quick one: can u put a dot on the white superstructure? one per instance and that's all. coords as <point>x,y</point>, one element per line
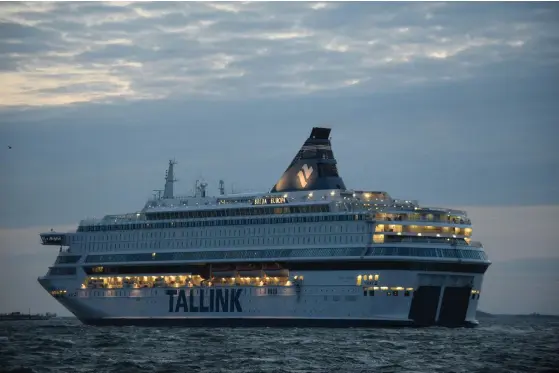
<point>308,253</point>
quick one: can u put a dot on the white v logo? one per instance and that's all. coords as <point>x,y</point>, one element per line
<point>304,175</point>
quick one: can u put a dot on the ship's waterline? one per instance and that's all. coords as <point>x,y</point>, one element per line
<point>308,253</point>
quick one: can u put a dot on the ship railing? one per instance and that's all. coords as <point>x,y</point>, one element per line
<point>422,218</point>
<point>446,210</point>
<point>414,239</point>
<point>405,202</point>
<point>113,219</point>
<point>418,209</point>
<point>476,244</point>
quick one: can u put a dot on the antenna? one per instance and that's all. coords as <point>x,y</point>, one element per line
<point>169,180</point>
<point>221,187</point>
<point>157,193</point>
<point>201,187</point>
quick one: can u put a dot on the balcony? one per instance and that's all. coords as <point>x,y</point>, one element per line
<point>428,230</point>
<point>382,239</point>
<point>435,218</point>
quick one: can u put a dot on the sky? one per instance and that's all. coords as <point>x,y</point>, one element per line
<point>452,104</point>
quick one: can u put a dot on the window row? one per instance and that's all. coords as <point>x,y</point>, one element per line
<point>224,243</point>
<point>224,232</point>
<point>67,259</point>
<point>299,265</point>
<point>221,222</point>
<point>423,229</point>
<point>62,271</point>
<point>428,252</point>
<point>287,253</point>
<point>435,217</point>
<point>216,255</point>
<point>215,213</point>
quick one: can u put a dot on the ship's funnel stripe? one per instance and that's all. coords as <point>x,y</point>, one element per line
<point>316,147</point>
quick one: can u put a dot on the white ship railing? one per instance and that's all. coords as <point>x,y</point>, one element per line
<point>406,202</point>
<point>421,218</point>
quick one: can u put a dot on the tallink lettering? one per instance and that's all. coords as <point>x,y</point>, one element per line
<point>208,300</point>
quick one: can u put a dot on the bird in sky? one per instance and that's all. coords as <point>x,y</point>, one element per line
<point>9,147</point>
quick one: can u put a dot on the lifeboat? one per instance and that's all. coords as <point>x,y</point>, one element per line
<point>224,271</point>
<point>275,270</point>
<point>250,270</point>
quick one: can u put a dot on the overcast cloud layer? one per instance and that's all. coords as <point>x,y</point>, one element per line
<point>59,53</point>
<point>453,104</point>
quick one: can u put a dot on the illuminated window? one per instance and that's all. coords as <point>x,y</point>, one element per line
<point>378,238</point>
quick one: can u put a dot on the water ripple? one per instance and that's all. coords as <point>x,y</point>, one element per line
<point>64,345</point>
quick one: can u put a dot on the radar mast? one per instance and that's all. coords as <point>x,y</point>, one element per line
<point>169,180</point>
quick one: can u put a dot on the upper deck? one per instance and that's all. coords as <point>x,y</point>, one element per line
<point>382,206</point>
<point>309,189</point>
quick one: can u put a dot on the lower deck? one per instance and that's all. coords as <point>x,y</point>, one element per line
<point>390,298</point>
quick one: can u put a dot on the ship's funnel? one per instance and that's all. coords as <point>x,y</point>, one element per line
<point>313,168</point>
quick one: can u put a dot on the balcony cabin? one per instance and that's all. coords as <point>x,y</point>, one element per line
<point>428,230</point>
<point>439,217</point>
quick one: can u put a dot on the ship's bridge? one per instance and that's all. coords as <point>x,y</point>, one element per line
<point>55,238</point>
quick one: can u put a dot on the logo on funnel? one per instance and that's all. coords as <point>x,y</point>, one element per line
<point>304,175</point>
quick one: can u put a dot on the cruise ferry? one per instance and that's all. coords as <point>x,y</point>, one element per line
<point>308,253</point>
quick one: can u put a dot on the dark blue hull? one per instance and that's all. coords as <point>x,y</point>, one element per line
<point>259,322</point>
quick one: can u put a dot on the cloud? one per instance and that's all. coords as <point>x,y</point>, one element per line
<point>62,53</point>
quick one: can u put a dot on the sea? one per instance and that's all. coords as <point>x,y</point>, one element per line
<point>498,344</point>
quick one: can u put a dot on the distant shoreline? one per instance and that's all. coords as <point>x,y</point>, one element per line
<point>481,314</point>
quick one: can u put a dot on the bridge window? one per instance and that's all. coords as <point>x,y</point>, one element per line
<point>62,271</point>
<point>67,259</point>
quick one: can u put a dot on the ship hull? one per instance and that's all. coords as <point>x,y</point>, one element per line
<point>436,299</point>
<point>233,322</point>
